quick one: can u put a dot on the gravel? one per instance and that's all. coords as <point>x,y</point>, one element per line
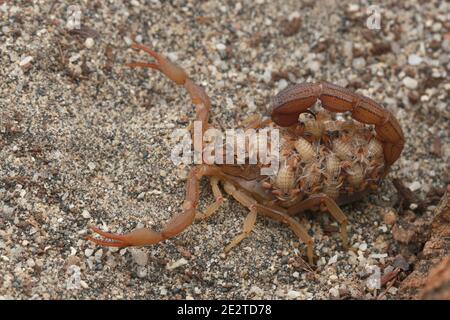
<point>86,141</point>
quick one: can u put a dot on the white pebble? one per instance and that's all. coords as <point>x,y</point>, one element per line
<point>413,206</point>
<point>282,84</point>
<point>128,41</point>
<point>292,294</point>
<point>177,264</point>
<point>89,43</point>
<point>378,255</point>
<point>98,255</point>
<point>74,57</point>
<point>416,185</point>
<point>414,59</point>
<point>88,252</point>
<point>295,274</point>
<point>314,66</point>
<point>353,7</point>
<point>363,246</point>
<point>267,76</point>
<point>410,83</point>
<point>141,195</point>
<point>141,272</point>
<point>359,63</point>
<point>334,292</point>
<point>220,47</point>
<point>333,259</point>
<point>436,27</point>
<point>85,214</point>
<point>25,61</point>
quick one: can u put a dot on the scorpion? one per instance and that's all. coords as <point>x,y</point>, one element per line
<point>324,162</point>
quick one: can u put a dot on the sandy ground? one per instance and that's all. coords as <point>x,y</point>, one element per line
<point>85,141</point>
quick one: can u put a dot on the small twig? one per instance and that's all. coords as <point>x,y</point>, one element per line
<point>389,276</point>
<point>389,279</point>
<point>381,295</point>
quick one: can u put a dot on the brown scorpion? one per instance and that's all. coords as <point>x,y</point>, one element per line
<point>323,163</point>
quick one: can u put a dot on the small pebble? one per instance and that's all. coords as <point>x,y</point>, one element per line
<point>83,284</point>
<point>221,47</point>
<point>414,59</point>
<point>314,66</point>
<point>333,259</point>
<point>25,61</point>
<point>359,63</point>
<point>436,27</point>
<point>292,294</point>
<point>282,84</point>
<point>177,264</point>
<point>379,255</point>
<point>85,214</point>
<point>141,272</point>
<point>410,83</point>
<point>88,252</point>
<point>89,43</point>
<point>267,76</point>
<point>334,292</point>
<point>416,185</point>
<point>400,262</point>
<point>390,218</point>
<point>98,255</point>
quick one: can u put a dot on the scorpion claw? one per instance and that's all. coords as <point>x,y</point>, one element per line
<point>109,239</point>
<point>164,65</point>
<point>138,237</point>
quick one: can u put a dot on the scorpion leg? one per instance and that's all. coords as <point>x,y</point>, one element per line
<point>175,73</point>
<point>249,221</point>
<point>277,214</point>
<point>145,236</point>
<point>334,210</point>
<point>214,206</point>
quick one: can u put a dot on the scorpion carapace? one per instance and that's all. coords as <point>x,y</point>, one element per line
<point>323,161</point>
